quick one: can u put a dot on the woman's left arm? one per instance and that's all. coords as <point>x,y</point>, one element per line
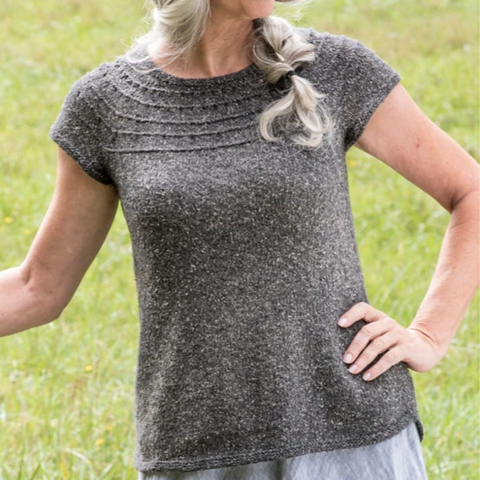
<point>403,137</point>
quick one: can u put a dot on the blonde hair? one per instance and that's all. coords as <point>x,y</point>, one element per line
<point>276,49</point>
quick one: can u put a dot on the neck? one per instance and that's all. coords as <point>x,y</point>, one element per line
<point>224,48</point>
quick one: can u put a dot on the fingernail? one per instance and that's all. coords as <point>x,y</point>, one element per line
<point>366,376</point>
<point>352,369</point>
<point>347,358</point>
<point>342,321</point>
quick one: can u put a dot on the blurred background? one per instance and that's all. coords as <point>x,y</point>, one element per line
<point>66,389</point>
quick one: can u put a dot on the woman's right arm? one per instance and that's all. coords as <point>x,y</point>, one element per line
<point>71,234</point>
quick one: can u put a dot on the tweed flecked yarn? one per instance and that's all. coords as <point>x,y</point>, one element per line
<point>244,255</point>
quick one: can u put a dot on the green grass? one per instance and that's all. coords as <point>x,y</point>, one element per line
<point>66,389</point>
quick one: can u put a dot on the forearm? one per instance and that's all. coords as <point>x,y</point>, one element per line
<point>456,277</point>
<point>21,306</point>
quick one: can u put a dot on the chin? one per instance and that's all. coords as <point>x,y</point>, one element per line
<point>247,9</point>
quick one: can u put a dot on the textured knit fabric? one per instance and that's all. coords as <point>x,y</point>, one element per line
<point>397,458</point>
<point>244,255</point>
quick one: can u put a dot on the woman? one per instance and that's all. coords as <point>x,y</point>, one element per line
<point>244,247</point>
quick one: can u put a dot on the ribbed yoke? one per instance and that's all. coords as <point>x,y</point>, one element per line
<point>178,114</point>
<point>244,255</point>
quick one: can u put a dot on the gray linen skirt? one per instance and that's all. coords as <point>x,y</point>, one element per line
<point>397,458</point>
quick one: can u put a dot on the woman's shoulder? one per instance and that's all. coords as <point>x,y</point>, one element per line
<point>96,80</point>
<point>330,51</point>
<point>333,45</point>
<point>327,39</point>
<point>340,52</point>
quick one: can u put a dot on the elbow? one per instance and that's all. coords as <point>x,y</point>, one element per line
<point>469,200</point>
<point>55,313</point>
<point>45,300</point>
<point>50,313</point>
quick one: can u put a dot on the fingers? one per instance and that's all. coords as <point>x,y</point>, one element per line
<point>374,333</point>
<point>377,346</point>
<point>380,335</point>
<point>358,311</point>
<point>392,357</point>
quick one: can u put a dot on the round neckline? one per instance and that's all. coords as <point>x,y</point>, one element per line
<point>148,66</point>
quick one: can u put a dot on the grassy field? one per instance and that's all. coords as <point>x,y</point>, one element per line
<point>66,389</point>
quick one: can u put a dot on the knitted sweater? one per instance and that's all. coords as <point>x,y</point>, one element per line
<point>244,256</point>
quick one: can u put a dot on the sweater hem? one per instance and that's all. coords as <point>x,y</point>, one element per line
<point>284,451</point>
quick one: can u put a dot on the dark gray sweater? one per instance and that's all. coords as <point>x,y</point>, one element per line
<point>244,255</point>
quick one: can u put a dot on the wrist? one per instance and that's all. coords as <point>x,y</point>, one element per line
<point>440,347</point>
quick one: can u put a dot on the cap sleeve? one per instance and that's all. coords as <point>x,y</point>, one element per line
<point>77,129</point>
<point>367,81</point>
